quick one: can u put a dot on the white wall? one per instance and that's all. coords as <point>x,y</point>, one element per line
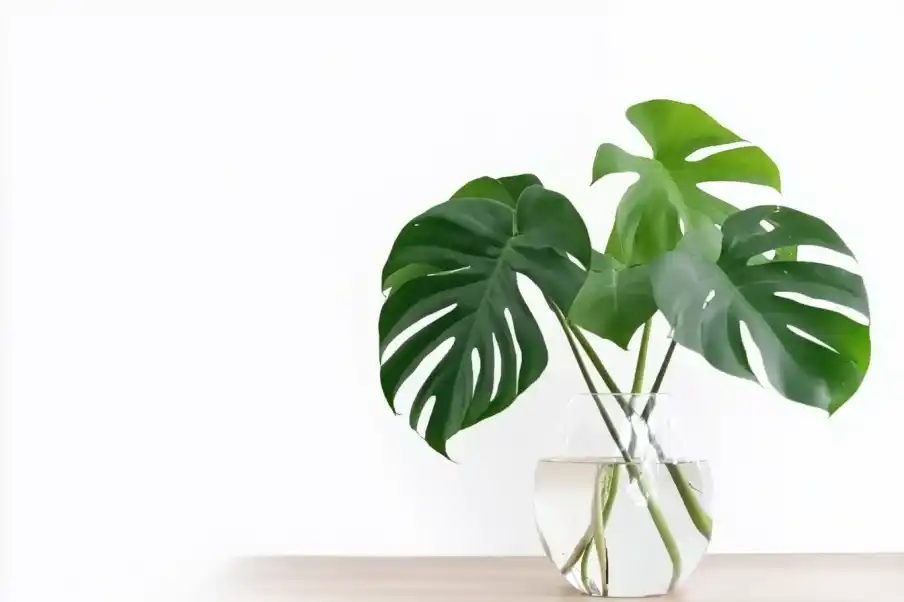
<point>198,211</point>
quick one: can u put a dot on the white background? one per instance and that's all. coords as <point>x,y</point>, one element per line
<point>195,218</point>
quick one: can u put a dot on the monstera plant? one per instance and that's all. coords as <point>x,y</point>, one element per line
<point>709,268</point>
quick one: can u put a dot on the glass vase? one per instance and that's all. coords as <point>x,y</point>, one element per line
<point>623,506</point>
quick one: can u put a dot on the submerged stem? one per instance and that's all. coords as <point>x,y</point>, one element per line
<point>665,533</point>
<point>578,551</point>
<point>698,515</point>
<point>602,492</point>
<point>585,565</point>
<point>586,540</point>
<point>610,501</point>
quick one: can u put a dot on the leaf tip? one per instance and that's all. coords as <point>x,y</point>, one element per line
<point>439,446</point>
<point>836,404</point>
<point>623,345</point>
<point>391,403</point>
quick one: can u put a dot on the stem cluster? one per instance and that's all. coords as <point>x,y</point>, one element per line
<point>607,479</point>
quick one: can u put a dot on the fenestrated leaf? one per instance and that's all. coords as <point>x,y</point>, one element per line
<point>649,215</point>
<point>812,355</point>
<point>475,247</point>
<point>614,301</point>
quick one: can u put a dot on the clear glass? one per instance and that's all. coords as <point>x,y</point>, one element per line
<point>623,510</point>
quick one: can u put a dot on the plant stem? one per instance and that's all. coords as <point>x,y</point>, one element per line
<point>607,512</point>
<point>610,501</point>
<point>695,511</point>
<point>595,360</point>
<point>657,382</point>
<point>601,494</point>
<point>636,387</point>
<point>642,357</point>
<point>651,404</point>
<point>668,540</point>
<point>578,551</point>
<point>659,521</point>
<point>587,539</point>
<point>698,515</point>
<point>610,426</point>
<point>585,562</point>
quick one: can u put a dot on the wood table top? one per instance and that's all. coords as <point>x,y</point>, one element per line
<point>721,578</point>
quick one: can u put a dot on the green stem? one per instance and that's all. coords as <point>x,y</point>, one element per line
<point>607,512</point>
<point>651,404</point>
<point>642,357</point>
<point>585,565</point>
<point>698,515</point>
<point>595,360</point>
<point>668,540</point>
<point>577,555</point>
<point>585,374</point>
<point>659,521</point>
<point>657,382</point>
<point>636,387</point>
<point>587,539</point>
<point>610,501</point>
<point>601,495</point>
<point>695,511</point>
<point>578,551</point>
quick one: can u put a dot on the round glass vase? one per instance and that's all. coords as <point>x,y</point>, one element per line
<point>622,507</point>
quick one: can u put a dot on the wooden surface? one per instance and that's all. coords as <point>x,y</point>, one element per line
<point>792,578</point>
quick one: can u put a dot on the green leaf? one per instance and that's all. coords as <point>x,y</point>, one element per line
<point>505,190</point>
<point>649,216</point>
<point>812,355</point>
<point>475,247</point>
<point>614,301</point>
<point>403,275</point>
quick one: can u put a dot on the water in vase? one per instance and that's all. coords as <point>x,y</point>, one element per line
<point>634,514</point>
